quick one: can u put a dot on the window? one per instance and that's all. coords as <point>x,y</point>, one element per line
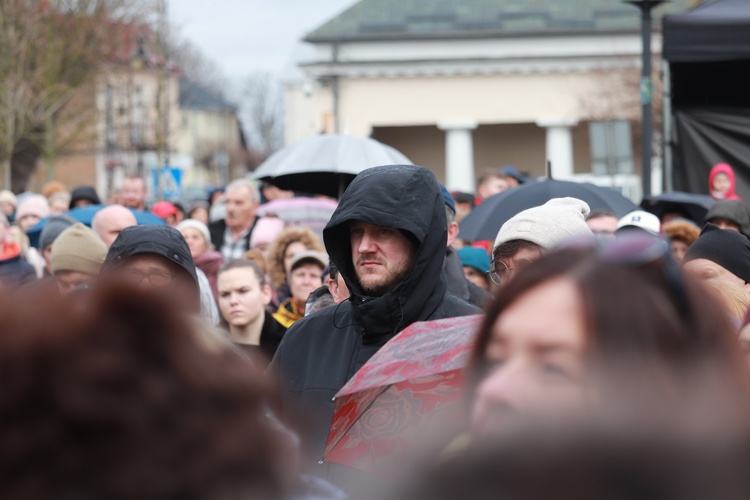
<point>611,147</point>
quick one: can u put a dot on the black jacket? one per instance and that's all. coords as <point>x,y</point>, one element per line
<point>217,229</point>
<point>458,285</point>
<point>15,272</point>
<point>321,352</point>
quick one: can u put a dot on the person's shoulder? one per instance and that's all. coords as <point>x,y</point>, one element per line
<point>451,306</point>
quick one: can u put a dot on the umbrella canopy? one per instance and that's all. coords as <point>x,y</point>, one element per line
<point>326,164</point>
<point>484,221</point>
<point>301,211</point>
<point>694,206</point>
<point>85,215</point>
<point>400,394</point>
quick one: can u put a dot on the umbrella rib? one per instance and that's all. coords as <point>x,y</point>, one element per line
<point>385,388</point>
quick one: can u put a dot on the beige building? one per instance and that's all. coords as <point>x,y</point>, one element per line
<point>208,138</point>
<point>465,86</point>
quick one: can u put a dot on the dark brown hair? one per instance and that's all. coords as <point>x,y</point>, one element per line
<point>510,248</point>
<point>115,394</point>
<point>630,314</point>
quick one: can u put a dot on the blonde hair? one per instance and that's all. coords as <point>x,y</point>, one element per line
<point>305,235</point>
<point>733,296</point>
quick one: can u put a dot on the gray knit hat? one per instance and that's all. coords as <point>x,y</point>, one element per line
<point>549,225</point>
<point>52,229</point>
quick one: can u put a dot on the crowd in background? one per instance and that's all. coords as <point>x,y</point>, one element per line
<point>610,361</point>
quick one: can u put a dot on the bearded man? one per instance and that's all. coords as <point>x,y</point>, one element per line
<point>387,238</point>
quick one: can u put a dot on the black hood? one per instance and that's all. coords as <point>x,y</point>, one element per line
<point>404,197</point>
<point>160,240</point>
<point>84,193</point>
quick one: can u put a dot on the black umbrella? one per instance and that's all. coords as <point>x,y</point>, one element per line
<point>693,206</point>
<point>484,221</point>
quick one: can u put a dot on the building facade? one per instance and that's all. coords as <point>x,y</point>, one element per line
<point>465,86</point>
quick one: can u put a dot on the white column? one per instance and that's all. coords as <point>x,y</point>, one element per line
<point>459,155</point>
<point>559,147</point>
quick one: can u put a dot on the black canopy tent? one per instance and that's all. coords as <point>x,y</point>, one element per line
<point>708,107</point>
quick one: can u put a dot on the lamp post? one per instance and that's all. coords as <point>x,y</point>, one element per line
<point>645,7</point>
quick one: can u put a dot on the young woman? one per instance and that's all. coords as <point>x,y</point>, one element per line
<point>243,297</point>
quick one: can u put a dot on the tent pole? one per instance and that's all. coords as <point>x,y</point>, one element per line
<point>667,128</point>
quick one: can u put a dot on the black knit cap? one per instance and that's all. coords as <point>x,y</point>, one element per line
<point>729,249</point>
<point>159,240</point>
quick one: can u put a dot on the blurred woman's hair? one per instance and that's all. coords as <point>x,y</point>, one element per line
<point>245,264</point>
<point>734,297</point>
<point>634,317</point>
<point>277,250</point>
<point>115,394</point>
<point>257,257</point>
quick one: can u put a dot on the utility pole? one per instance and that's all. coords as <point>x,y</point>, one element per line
<point>646,6</point>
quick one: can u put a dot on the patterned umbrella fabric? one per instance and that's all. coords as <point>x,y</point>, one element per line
<point>301,211</point>
<point>401,394</point>
<point>326,164</point>
<point>484,221</point>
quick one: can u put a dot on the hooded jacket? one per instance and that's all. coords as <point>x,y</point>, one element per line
<point>322,351</point>
<point>723,168</point>
<point>731,210</point>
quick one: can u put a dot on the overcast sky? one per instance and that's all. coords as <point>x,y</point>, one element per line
<point>243,36</point>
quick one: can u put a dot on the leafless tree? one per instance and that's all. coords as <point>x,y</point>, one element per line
<point>262,113</point>
<point>52,51</point>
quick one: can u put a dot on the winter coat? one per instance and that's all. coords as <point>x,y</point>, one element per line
<point>322,351</point>
<point>270,338</point>
<point>14,271</point>
<point>458,285</point>
<point>217,229</point>
<point>723,168</point>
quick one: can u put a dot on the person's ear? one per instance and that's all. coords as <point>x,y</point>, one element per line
<point>266,295</point>
<point>333,287</point>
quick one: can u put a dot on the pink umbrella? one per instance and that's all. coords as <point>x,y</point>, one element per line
<point>397,398</point>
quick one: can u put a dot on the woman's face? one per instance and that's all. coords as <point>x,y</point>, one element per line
<point>292,249</point>
<point>535,359</point>
<point>195,241</point>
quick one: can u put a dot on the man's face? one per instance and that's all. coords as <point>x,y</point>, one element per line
<point>704,269</point>
<point>492,186</point>
<point>477,277</point>
<point>725,224</point>
<point>151,271</point>
<point>111,225</point>
<point>134,193</point>
<point>47,254</point>
<point>603,227</point>
<point>68,280</point>
<point>304,280</point>
<point>240,208</point>
<point>382,256</point>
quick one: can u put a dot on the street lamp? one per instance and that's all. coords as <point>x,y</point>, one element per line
<point>645,7</point>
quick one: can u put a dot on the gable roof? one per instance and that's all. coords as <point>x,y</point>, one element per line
<point>195,96</point>
<point>428,19</point>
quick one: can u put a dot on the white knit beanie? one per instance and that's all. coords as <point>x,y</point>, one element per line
<point>198,226</point>
<point>557,220</point>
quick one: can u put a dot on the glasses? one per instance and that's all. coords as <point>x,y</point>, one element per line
<point>160,280</point>
<point>501,272</point>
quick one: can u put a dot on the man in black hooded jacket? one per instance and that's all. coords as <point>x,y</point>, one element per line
<point>387,238</point>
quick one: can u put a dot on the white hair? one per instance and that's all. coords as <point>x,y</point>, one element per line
<point>247,184</point>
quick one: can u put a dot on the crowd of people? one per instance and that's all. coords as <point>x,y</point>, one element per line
<point>201,357</point>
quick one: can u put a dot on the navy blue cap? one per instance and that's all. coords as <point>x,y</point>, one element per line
<point>448,198</point>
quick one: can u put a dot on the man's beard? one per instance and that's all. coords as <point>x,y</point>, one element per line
<point>387,282</point>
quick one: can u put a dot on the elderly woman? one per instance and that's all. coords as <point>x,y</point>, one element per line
<point>202,250</point>
<point>289,242</point>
